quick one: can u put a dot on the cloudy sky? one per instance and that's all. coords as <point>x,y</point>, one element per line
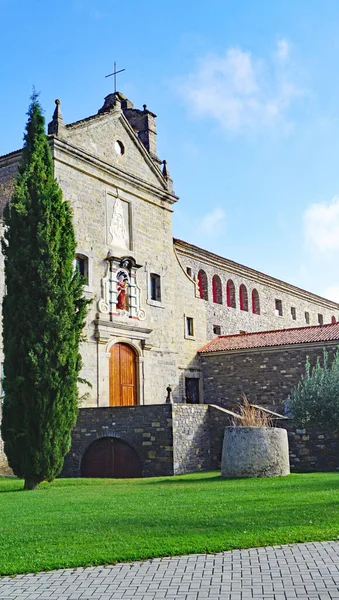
<point>247,98</point>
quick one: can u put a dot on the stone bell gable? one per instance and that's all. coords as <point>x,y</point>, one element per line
<point>122,137</point>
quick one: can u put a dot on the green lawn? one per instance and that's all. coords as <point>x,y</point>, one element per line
<point>76,522</point>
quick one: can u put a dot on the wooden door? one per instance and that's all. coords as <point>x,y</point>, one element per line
<point>110,457</point>
<point>192,390</point>
<point>122,376</point>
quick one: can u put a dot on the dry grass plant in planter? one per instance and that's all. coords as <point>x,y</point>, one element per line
<point>253,447</point>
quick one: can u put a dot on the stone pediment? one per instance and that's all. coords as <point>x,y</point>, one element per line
<point>109,137</point>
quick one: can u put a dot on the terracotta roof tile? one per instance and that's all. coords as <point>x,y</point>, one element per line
<point>277,337</point>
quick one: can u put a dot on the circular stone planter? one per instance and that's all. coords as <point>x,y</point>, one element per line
<point>255,452</point>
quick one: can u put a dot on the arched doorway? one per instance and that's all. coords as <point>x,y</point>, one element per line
<point>110,457</point>
<point>122,376</point>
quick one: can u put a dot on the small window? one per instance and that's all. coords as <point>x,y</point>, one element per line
<point>307,318</point>
<point>81,263</point>
<point>189,271</point>
<point>155,287</point>
<point>189,327</point>
<point>278,308</point>
<point>216,329</point>
<point>333,320</point>
<point>241,332</point>
<point>293,313</point>
<point>320,319</point>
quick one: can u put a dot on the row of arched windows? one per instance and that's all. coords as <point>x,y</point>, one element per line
<point>217,294</point>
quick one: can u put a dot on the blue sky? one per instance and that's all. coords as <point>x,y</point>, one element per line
<point>247,98</point>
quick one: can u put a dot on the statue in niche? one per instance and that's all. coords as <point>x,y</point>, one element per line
<point>122,289</point>
<point>118,229</point>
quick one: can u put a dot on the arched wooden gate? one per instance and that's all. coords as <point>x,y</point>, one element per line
<point>110,457</point>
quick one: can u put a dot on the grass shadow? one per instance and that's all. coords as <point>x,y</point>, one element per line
<point>174,479</point>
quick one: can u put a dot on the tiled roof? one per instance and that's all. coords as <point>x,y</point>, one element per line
<point>277,337</point>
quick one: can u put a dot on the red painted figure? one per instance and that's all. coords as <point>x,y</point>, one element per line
<point>122,289</point>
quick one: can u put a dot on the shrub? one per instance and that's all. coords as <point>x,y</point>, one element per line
<point>252,416</point>
<point>315,400</point>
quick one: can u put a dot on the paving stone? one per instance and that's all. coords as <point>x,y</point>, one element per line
<point>305,571</point>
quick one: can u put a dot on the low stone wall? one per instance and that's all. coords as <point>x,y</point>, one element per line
<point>313,450</point>
<point>191,438</point>
<point>180,438</point>
<point>148,429</point>
<point>169,439</point>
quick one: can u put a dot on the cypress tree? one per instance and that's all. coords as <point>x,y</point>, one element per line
<point>43,315</point>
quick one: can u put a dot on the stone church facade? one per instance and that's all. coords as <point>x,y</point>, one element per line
<point>155,301</point>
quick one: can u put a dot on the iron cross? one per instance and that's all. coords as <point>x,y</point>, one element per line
<point>115,72</point>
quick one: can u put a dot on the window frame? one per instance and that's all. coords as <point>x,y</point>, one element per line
<point>243,298</point>
<point>216,289</point>
<point>231,301</point>
<point>255,302</point>
<point>189,327</point>
<point>202,280</point>
<point>155,287</point>
<point>87,256</point>
<point>278,307</point>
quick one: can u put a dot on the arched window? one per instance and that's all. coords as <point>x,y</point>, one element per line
<point>243,297</point>
<point>333,320</point>
<point>255,303</point>
<point>203,285</point>
<point>216,289</point>
<point>230,294</point>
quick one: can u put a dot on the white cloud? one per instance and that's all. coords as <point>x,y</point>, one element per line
<point>283,50</point>
<point>332,293</point>
<point>321,226</point>
<point>239,91</point>
<point>213,223</point>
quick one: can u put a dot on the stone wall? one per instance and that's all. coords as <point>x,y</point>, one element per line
<point>265,375</point>
<point>8,169</point>
<point>191,438</point>
<point>313,450</point>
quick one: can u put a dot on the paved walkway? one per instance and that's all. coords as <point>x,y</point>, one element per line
<point>274,573</point>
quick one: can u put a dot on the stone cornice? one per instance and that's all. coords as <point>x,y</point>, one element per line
<point>218,262</point>
<point>10,159</point>
<point>106,329</point>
